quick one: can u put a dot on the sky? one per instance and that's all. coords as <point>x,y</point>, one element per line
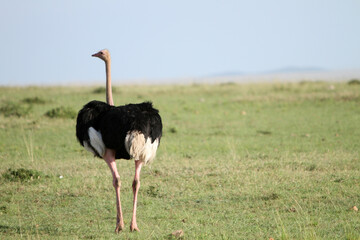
<point>50,42</point>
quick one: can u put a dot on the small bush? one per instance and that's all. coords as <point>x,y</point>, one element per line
<point>264,132</point>
<point>102,90</point>
<point>269,197</point>
<point>228,83</point>
<point>354,82</point>
<point>61,112</point>
<point>34,100</point>
<point>154,192</point>
<point>311,167</point>
<point>22,175</point>
<point>172,130</point>
<point>3,209</point>
<point>99,90</point>
<point>14,109</point>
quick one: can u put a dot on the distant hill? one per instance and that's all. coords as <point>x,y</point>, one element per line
<point>291,69</point>
<point>227,74</point>
<point>287,74</point>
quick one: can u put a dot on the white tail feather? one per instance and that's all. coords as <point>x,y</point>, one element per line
<point>139,148</point>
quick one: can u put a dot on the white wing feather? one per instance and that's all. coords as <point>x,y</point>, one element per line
<point>96,141</point>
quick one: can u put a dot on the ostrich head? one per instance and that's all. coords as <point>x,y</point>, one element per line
<point>103,54</point>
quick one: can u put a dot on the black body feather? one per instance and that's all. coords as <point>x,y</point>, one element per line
<point>114,123</point>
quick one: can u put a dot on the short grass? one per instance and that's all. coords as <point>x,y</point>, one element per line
<point>252,161</point>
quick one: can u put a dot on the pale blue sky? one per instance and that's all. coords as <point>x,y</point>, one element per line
<point>50,42</point>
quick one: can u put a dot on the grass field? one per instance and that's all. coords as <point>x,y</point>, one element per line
<point>237,161</point>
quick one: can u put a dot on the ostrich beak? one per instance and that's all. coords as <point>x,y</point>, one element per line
<point>96,55</point>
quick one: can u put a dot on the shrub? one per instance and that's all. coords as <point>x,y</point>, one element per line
<point>22,175</point>
<point>34,100</point>
<point>99,90</point>
<point>354,82</point>
<point>153,191</point>
<point>14,109</point>
<point>172,130</point>
<point>61,112</point>
<point>102,90</point>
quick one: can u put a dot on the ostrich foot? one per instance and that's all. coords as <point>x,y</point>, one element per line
<point>119,227</point>
<point>134,227</point>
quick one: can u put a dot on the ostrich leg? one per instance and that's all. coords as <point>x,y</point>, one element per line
<point>136,186</point>
<point>110,160</point>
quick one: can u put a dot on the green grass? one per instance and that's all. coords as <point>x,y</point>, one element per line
<point>252,161</point>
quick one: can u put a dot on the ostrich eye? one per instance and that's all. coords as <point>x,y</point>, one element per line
<point>101,53</point>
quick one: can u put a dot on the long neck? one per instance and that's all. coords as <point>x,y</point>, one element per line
<point>109,98</point>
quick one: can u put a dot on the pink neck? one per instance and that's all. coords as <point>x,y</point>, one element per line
<point>109,98</point>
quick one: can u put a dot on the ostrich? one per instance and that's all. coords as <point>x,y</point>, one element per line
<point>132,131</point>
